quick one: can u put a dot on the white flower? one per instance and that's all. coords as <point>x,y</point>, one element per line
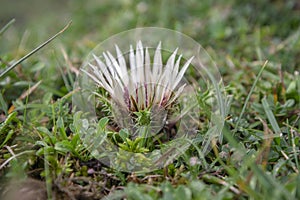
<point>141,85</point>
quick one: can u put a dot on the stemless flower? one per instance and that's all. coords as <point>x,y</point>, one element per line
<point>154,112</point>
<point>146,85</point>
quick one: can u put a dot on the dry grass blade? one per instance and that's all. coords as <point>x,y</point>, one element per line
<point>7,26</point>
<point>25,94</point>
<point>30,90</point>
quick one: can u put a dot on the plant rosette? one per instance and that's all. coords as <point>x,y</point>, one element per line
<point>145,96</point>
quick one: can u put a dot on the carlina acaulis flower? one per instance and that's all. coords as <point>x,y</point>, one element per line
<point>145,83</point>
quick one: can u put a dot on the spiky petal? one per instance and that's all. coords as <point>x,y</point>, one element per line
<point>144,85</point>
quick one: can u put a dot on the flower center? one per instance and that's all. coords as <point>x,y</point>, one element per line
<point>143,117</point>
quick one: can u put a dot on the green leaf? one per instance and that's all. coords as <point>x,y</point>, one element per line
<point>3,104</point>
<point>44,131</point>
<point>103,122</point>
<point>298,187</point>
<point>271,119</point>
<point>75,140</point>
<point>64,147</point>
<point>270,185</point>
<point>9,119</point>
<point>47,98</point>
<point>183,192</point>
<point>124,147</point>
<point>41,143</point>
<point>6,132</point>
<point>168,191</point>
<point>47,135</point>
<point>61,126</point>
<point>123,133</point>
<point>292,87</point>
<point>8,136</point>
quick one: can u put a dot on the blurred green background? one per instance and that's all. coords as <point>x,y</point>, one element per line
<point>235,27</point>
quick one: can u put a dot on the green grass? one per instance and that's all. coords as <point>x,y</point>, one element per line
<point>259,155</point>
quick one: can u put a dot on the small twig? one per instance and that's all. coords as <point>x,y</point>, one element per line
<point>152,176</point>
<point>286,157</point>
<point>10,150</point>
<point>13,157</point>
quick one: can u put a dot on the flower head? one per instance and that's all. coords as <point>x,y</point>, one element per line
<point>145,83</point>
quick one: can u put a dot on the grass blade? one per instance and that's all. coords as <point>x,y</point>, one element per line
<point>6,26</point>
<point>5,71</point>
<point>270,116</point>
<point>249,95</point>
<point>3,104</point>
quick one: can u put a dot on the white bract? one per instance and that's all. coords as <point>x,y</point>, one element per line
<point>145,83</point>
